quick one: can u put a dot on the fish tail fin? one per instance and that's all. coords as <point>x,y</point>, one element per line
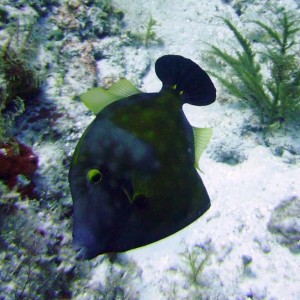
<point>186,78</point>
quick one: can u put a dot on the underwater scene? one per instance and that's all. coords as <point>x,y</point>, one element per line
<point>150,150</point>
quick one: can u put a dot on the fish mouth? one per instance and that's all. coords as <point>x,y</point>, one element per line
<point>85,244</point>
<point>81,253</point>
<point>84,253</point>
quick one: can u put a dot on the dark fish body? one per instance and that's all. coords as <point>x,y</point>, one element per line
<point>133,178</point>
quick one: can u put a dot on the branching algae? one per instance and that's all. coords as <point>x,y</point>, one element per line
<point>274,99</point>
<point>147,38</point>
<point>19,83</point>
<point>133,175</point>
<point>20,80</point>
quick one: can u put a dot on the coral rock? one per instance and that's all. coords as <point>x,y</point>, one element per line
<point>285,223</point>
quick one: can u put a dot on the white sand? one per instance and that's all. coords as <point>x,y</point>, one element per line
<point>242,196</point>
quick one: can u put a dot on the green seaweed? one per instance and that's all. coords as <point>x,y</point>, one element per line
<point>17,65</point>
<point>274,98</point>
<point>20,80</point>
<point>3,15</point>
<point>150,34</point>
<point>194,260</point>
<point>148,37</point>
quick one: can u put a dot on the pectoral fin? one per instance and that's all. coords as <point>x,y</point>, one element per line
<point>202,137</point>
<point>140,185</point>
<point>140,195</point>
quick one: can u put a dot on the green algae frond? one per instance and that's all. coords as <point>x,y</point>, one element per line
<point>274,98</point>
<point>19,79</point>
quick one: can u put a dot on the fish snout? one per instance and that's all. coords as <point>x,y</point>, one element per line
<point>84,252</point>
<point>81,252</point>
<point>85,244</point>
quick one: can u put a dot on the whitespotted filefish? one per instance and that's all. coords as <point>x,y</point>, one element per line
<point>133,175</point>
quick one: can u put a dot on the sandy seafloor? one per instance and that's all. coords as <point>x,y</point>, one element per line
<point>243,194</point>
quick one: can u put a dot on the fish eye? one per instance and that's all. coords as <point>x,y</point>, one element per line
<point>94,176</point>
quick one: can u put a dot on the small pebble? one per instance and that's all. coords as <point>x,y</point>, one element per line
<point>247,259</point>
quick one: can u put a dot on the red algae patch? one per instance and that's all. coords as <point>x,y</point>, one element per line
<point>18,159</point>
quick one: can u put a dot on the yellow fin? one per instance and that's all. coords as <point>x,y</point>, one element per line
<point>123,88</point>
<point>98,98</point>
<point>202,137</point>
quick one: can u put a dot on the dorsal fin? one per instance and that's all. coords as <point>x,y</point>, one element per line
<point>186,78</point>
<point>98,98</point>
<point>202,137</point>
